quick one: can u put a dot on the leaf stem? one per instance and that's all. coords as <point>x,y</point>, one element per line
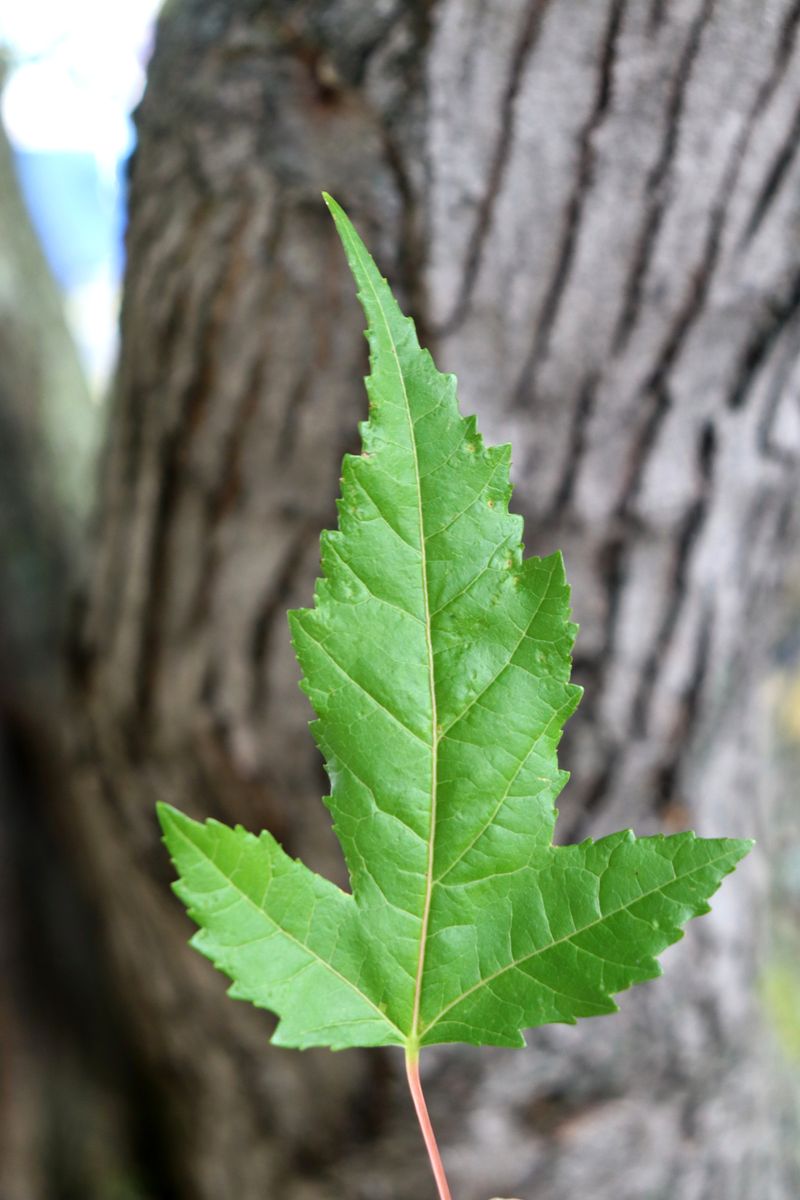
<point>414,1083</point>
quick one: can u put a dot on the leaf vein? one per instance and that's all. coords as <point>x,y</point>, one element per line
<point>516,963</point>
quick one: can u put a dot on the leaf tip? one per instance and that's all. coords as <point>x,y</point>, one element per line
<point>174,822</point>
<point>741,848</point>
<point>334,208</point>
<point>167,816</point>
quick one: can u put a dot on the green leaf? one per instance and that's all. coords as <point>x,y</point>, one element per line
<point>437,660</point>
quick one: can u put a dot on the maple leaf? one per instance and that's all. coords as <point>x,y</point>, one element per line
<point>437,660</point>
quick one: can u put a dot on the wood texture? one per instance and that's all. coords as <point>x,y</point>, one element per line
<point>592,211</point>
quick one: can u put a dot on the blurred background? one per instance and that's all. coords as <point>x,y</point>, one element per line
<point>593,214</point>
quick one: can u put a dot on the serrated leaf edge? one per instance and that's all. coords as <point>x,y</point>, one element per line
<point>167,814</point>
<point>739,848</point>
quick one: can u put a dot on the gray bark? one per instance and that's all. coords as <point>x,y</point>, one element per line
<point>591,210</point>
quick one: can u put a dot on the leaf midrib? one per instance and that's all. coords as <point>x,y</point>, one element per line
<point>413,1037</point>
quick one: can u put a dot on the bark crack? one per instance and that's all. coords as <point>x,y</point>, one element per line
<point>529,36</point>
<point>780,314</point>
<point>687,717</point>
<point>581,189</point>
<point>655,18</point>
<point>576,446</point>
<point>776,177</point>
<point>688,535</point>
<point>766,444</point>
<point>702,274</point>
<point>411,243</point>
<point>657,186</point>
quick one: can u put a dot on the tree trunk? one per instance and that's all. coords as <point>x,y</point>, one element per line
<point>591,210</point>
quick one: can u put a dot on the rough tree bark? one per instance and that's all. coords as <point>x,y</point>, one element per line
<point>591,209</point>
